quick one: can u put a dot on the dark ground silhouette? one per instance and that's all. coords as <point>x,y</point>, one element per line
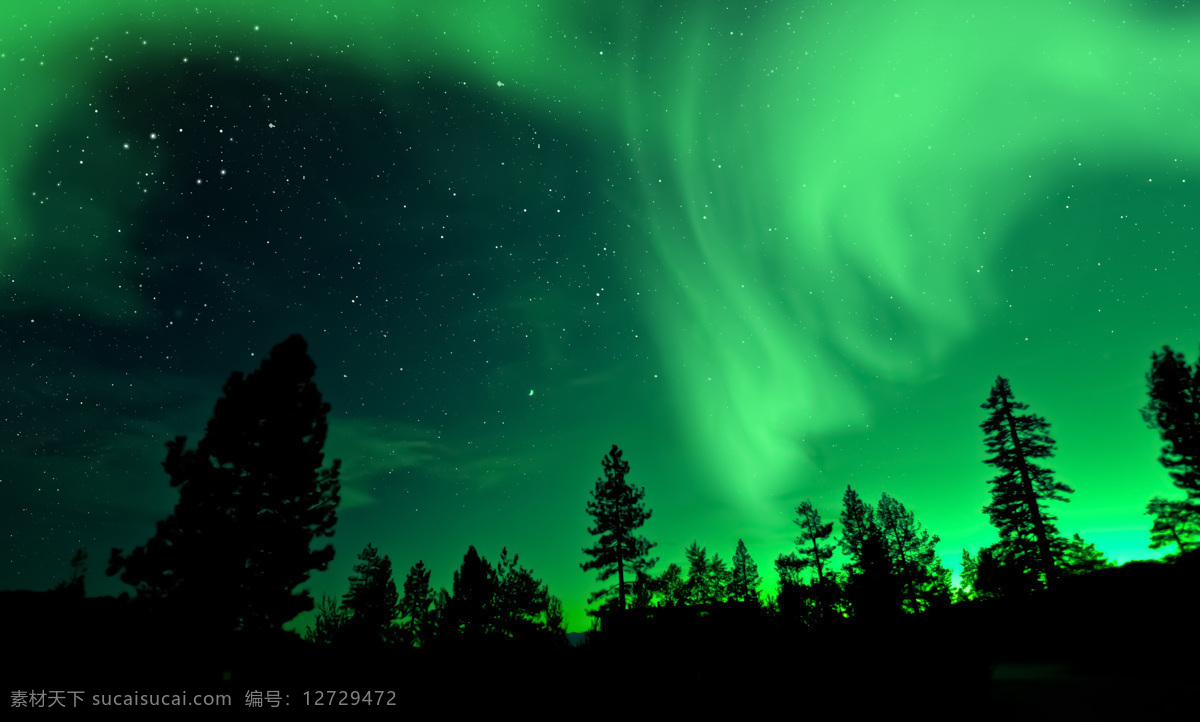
<point>1113,636</point>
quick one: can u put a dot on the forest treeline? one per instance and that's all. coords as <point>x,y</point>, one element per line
<point>892,566</point>
<point>255,497</point>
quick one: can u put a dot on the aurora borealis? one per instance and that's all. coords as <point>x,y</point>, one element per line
<point>769,251</point>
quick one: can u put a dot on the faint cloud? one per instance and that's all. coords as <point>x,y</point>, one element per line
<point>598,378</point>
<point>371,448</point>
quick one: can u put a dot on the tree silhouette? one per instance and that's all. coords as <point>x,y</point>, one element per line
<point>330,620</point>
<point>699,581</point>
<point>875,588</point>
<point>814,550</point>
<point>470,613</point>
<point>75,585</point>
<point>998,575</point>
<point>718,580</point>
<point>673,586</point>
<point>416,618</point>
<point>1015,441</point>
<point>1174,409</point>
<point>791,598</point>
<point>521,600</point>
<point>252,497</point>
<point>444,627</point>
<point>912,556</point>
<point>970,570</point>
<point>1174,523</point>
<point>815,600</point>
<point>372,600</point>
<point>938,590</point>
<point>555,619</point>
<point>872,583</point>
<point>708,578</point>
<point>1080,557</point>
<point>743,578</point>
<point>857,522</point>
<point>790,570</point>
<point>643,589</point>
<point>893,563</point>
<point>618,511</point>
<point>505,602</point>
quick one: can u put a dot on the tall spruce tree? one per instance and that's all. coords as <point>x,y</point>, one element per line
<point>872,586</point>
<point>1016,442</point>
<point>416,616</point>
<point>700,578</point>
<point>718,580</point>
<point>876,591</point>
<point>619,511</point>
<point>492,603</point>
<point>372,601</point>
<point>812,543</point>
<point>966,587</point>
<point>521,600</point>
<point>857,522</point>
<point>471,612</point>
<point>743,577</point>
<point>814,601</point>
<point>555,620</point>
<point>1174,409</point>
<point>444,628</point>
<point>252,497</point>
<point>673,586</point>
<point>912,553</point>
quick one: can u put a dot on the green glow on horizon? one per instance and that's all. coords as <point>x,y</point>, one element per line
<point>827,191</point>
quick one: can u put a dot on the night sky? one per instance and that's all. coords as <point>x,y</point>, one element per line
<point>769,250</point>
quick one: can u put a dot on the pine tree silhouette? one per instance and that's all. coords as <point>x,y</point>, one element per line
<point>744,578</point>
<point>521,600</point>
<point>252,497</point>
<point>618,511</point>
<point>815,600</point>
<point>872,586</point>
<point>75,585</point>
<point>876,589</point>
<point>327,626</point>
<point>857,518</point>
<point>372,601</point>
<point>1016,441</point>
<point>970,569</point>
<point>555,619</point>
<point>1081,557</point>
<point>673,586</point>
<point>1174,410</point>
<point>699,581</point>
<point>999,575</point>
<point>417,624</point>
<point>912,553</point>
<point>1175,522</point>
<point>814,550</point>
<point>471,614</point>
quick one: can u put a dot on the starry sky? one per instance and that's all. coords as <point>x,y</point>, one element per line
<point>768,249</point>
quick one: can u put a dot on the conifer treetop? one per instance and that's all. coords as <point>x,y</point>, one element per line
<point>618,510</point>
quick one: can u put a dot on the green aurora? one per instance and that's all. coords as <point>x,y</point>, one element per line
<point>802,243</point>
